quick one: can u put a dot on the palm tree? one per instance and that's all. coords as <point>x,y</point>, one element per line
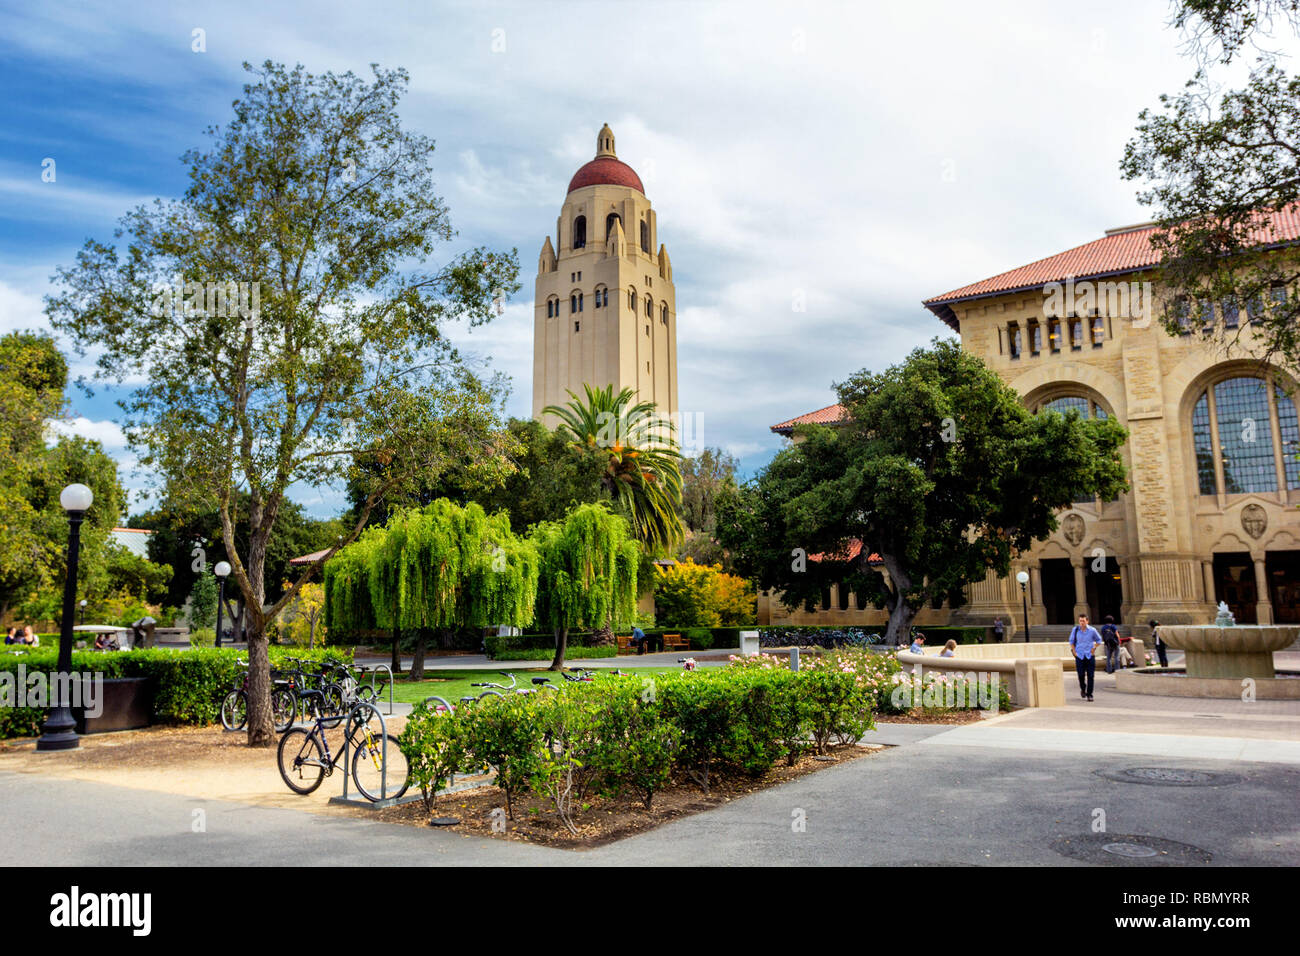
<point>641,471</point>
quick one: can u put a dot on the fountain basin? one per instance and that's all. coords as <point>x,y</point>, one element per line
<point>1244,650</point>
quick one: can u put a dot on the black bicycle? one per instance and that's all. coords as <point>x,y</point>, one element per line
<point>305,759</point>
<point>234,708</point>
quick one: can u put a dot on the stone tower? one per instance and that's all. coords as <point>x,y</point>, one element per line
<point>604,307</point>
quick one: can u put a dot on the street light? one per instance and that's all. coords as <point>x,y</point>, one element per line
<point>60,730</point>
<point>83,610</point>
<point>222,570</point>
<point>1023,579</point>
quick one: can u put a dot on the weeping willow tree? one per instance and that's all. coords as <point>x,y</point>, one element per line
<point>588,573</point>
<point>433,570</point>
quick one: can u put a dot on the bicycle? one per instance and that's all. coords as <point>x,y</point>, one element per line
<point>305,759</point>
<point>234,708</point>
<point>496,690</point>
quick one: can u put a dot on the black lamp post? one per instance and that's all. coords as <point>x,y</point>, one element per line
<point>60,730</point>
<point>222,570</point>
<point>1023,579</point>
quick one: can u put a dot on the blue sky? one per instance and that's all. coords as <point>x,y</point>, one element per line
<point>858,157</point>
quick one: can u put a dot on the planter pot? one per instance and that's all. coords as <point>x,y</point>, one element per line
<point>127,705</point>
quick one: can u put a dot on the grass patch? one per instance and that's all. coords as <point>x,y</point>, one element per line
<point>452,685</point>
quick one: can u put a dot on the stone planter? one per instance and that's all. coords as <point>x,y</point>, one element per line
<point>127,705</point>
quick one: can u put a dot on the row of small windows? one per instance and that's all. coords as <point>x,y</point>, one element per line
<point>600,300</point>
<point>580,231</point>
<point>1053,334</point>
<point>1189,314</point>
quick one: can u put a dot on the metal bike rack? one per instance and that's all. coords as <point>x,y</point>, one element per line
<point>384,800</point>
<point>374,671</point>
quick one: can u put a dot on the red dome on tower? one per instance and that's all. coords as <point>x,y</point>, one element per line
<point>606,171</point>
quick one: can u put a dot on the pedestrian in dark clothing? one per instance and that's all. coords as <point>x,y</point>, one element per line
<point>1160,645</point>
<point>1084,640</point>
<point>1110,637</point>
<point>998,629</point>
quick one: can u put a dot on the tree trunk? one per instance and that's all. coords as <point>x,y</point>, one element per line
<point>397,660</point>
<point>417,662</point>
<point>311,636</point>
<point>561,645</point>
<point>900,612</point>
<point>261,726</point>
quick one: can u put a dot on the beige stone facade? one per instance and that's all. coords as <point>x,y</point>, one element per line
<point>1211,513</point>
<point>605,312</point>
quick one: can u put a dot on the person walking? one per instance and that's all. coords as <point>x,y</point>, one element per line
<point>1084,640</point>
<point>1110,637</point>
<point>1160,645</point>
<point>998,629</point>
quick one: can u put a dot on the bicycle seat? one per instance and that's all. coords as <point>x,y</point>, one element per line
<point>541,680</point>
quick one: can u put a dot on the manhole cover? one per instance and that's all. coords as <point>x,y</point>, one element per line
<point>1130,849</point>
<point>1171,777</point>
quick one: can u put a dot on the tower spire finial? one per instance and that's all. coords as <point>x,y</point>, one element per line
<point>605,142</point>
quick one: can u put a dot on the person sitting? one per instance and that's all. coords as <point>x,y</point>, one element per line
<point>101,642</point>
<point>918,644</point>
<point>11,636</point>
<point>949,649</point>
<point>30,638</point>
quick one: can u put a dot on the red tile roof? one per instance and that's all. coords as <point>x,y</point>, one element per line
<point>823,416</point>
<point>606,170</point>
<point>1119,251</point>
<point>854,549</point>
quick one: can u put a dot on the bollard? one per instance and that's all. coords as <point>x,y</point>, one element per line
<point>794,658</point>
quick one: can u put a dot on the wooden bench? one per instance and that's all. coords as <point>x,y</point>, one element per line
<point>625,644</point>
<point>674,642</point>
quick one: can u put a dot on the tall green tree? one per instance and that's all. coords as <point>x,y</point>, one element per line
<point>637,450</point>
<point>327,359</point>
<point>939,468</point>
<point>1217,165</point>
<point>588,574</point>
<point>705,477</point>
<point>433,571</point>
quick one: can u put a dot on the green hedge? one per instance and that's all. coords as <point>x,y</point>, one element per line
<point>962,635</point>
<point>629,733</point>
<point>828,636</point>
<point>188,684</point>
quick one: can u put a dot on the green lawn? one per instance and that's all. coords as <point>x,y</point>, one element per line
<point>453,685</point>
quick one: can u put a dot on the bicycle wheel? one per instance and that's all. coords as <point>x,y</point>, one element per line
<point>369,762</point>
<point>333,699</point>
<point>234,710</point>
<point>302,764</point>
<point>490,693</point>
<point>283,707</point>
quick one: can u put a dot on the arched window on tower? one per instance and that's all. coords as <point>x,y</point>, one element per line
<point>645,236</point>
<point>580,232</point>
<point>631,300</point>
<point>649,308</point>
<point>609,223</point>
<point>601,298</point>
<point>663,313</point>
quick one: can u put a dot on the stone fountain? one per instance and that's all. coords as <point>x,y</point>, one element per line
<point>1224,660</point>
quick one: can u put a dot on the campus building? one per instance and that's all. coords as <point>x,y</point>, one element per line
<point>1211,514</point>
<point>604,309</point>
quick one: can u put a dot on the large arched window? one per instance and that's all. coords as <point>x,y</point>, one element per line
<point>1086,407</point>
<point>645,235</point>
<point>580,232</point>
<point>1244,436</point>
<point>609,223</point>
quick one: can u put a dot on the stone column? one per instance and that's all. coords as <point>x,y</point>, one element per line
<point>1263,606</point>
<point>1207,577</point>
<point>1080,589</point>
<point>1036,594</point>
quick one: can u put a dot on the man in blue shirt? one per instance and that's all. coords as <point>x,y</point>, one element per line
<point>1084,639</point>
<point>918,644</point>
